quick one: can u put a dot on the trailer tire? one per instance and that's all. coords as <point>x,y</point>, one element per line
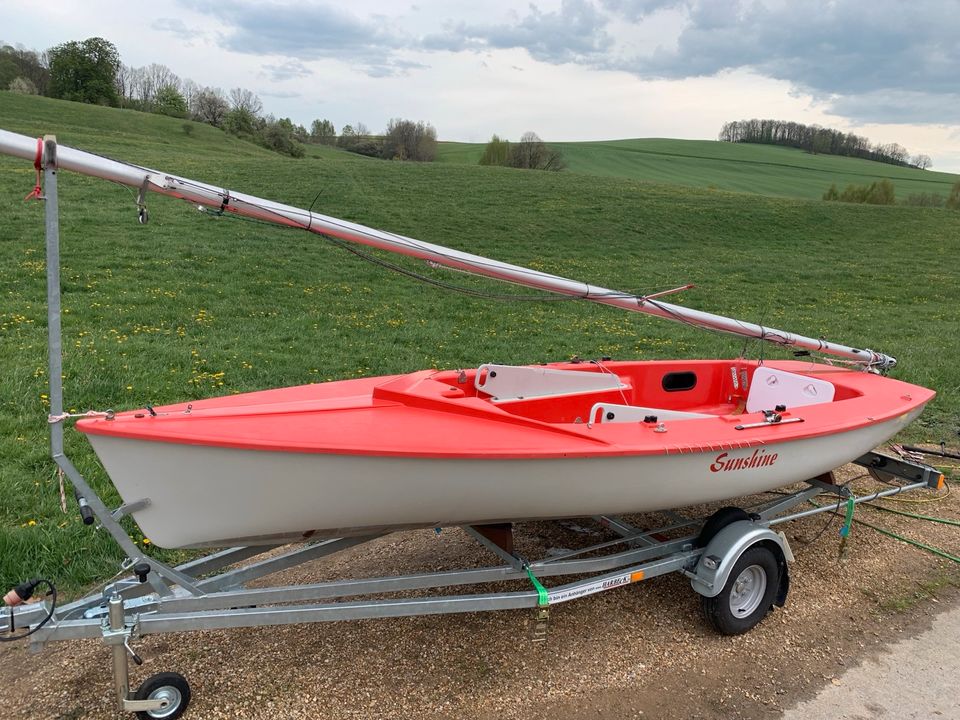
<point>748,594</point>
<point>170,686</point>
<point>718,521</point>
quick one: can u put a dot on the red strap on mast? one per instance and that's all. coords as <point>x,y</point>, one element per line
<point>37,192</point>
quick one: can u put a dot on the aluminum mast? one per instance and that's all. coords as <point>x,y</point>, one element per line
<point>253,207</point>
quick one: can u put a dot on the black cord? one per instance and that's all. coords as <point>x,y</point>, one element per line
<point>32,584</point>
<point>826,526</point>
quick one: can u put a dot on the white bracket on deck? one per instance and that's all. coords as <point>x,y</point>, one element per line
<point>510,382</point>
<point>611,413</point>
<point>772,387</point>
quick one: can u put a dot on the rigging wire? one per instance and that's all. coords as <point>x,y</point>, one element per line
<point>367,256</point>
<point>284,220</point>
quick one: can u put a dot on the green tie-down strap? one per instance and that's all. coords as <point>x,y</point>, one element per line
<point>848,520</point>
<point>542,598</point>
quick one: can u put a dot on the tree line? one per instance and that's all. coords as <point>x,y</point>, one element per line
<point>816,139</point>
<point>91,71</point>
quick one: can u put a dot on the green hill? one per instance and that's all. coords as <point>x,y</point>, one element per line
<point>194,305</point>
<point>763,169</point>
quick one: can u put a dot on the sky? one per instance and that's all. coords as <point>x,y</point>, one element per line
<point>565,69</point>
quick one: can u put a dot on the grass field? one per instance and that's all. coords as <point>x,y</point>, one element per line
<point>192,305</point>
<point>763,169</point>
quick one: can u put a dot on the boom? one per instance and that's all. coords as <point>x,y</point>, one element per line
<point>250,206</point>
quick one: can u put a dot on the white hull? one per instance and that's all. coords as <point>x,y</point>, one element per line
<point>214,496</point>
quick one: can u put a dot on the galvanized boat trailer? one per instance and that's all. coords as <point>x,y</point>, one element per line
<point>733,558</point>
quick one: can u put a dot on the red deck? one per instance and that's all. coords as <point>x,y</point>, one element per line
<point>434,414</point>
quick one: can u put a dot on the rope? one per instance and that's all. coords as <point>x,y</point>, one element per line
<point>922,546</point>
<point>37,192</point>
<point>53,419</point>
<point>888,533</point>
<point>930,518</point>
<point>938,498</point>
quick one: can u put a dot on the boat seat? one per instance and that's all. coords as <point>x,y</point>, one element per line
<point>602,412</point>
<point>771,387</point>
<point>510,382</point>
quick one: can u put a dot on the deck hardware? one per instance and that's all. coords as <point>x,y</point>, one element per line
<point>768,423</point>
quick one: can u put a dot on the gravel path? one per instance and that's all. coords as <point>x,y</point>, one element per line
<point>641,650</point>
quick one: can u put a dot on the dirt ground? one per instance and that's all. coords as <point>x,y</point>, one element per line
<point>643,650</point>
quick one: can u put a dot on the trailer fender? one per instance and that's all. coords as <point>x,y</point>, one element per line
<point>722,552</point>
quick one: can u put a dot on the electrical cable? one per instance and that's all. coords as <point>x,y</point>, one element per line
<point>23,592</point>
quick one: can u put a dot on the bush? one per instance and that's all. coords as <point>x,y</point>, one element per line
<point>169,101</point>
<point>496,152</point>
<point>241,122</point>
<point>925,200</point>
<point>323,132</point>
<point>187,128</point>
<point>22,86</point>
<point>531,153</point>
<point>876,193</point>
<point>359,140</point>
<point>407,140</point>
<point>953,202</point>
<point>278,136</point>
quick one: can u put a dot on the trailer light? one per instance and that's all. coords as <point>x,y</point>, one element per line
<point>941,481</point>
<point>636,576</point>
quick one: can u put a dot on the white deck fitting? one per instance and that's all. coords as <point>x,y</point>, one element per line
<point>772,387</point>
<point>630,413</point>
<point>510,382</point>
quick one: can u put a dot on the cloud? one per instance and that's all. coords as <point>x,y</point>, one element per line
<point>862,59</point>
<point>289,70</point>
<point>639,9</point>
<point>575,33</point>
<point>305,32</point>
<point>856,58</point>
<point>825,46</point>
<point>174,26</point>
<point>281,94</point>
<point>898,106</point>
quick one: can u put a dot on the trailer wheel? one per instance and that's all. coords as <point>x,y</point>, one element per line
<point>748,594</point>
<point>718,521</point>
<point>169,686</point>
